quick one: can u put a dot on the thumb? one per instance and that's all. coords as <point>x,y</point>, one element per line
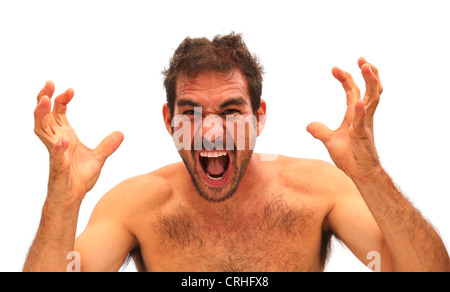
<point>108,146</point>
<point>319,131</point>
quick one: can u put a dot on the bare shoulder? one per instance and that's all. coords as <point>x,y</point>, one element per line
<point>137,195</point>
<point>312,175</point>
<point>321,185</point>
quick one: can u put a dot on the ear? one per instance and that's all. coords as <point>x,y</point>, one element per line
<point>167,118</point>
<point>261,116</point>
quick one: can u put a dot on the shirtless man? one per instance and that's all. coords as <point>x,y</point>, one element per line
<point>231,209</point>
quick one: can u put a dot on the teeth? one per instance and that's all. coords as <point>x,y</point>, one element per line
<point>214,178</point>
<point>213,154</point>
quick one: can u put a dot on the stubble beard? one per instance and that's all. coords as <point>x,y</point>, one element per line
<point>214,194</point>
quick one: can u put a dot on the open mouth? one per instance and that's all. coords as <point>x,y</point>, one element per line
<point>215,166</point>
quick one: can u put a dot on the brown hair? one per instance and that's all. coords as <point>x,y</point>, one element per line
<point>223,54</point>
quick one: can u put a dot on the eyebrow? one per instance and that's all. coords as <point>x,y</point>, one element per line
<point>238,101</point>
<point>234,101</point>
<point>187,102</point>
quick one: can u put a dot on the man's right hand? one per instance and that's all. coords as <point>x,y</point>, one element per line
<point>74,168</point>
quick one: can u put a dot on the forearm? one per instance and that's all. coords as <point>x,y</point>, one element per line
<point>55,238</point>
<point>413,243</point>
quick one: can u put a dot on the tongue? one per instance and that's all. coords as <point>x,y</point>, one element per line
<point>216,166</point>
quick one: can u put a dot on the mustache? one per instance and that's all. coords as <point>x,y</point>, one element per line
<point>223,142</point>
<point>218,144</point>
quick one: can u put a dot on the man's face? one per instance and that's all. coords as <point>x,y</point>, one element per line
<point>216,107</point>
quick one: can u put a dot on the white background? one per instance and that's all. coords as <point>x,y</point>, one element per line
<point>112,53</point>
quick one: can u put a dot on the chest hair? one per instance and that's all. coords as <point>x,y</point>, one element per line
<point>265,237</point>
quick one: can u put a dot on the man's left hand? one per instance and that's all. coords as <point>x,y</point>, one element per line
<point>352,145</point>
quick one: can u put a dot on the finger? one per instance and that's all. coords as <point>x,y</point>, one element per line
<point>372,96</point>
<point>350,87</point>
<point>319,131</point>
<point>57,159</point>
<point>359,119</point>
<point>60,107</point>
<point>362,62</point>
<point>108,146</point>
<point>48,90</point>
<point>41,117</point>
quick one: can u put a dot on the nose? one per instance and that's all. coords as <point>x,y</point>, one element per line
<point>213,132</point>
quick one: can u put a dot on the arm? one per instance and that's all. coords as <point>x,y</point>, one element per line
<point>412,241</point>
<point>107,240</point>
<point>409,241</point>
<point>74,170</point>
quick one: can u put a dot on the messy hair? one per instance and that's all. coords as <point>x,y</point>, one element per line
<point>223,55</point>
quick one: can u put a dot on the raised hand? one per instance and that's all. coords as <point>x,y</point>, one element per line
<point>74,168</point>
<point>352,145</point>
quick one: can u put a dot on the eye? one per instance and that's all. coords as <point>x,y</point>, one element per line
<point>231,112</point>
<point>189,113</point>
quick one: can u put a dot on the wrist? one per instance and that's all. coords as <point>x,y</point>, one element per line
<point>65,205</point>
<point>369,176</point>
<point>62,194</point>
<point>378,182</point>
<point>62,199</point>
<point>62,210</point>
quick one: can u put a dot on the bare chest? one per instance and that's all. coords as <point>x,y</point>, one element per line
<point>270,237</point>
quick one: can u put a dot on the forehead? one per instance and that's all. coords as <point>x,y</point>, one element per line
<point>209,86</point>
